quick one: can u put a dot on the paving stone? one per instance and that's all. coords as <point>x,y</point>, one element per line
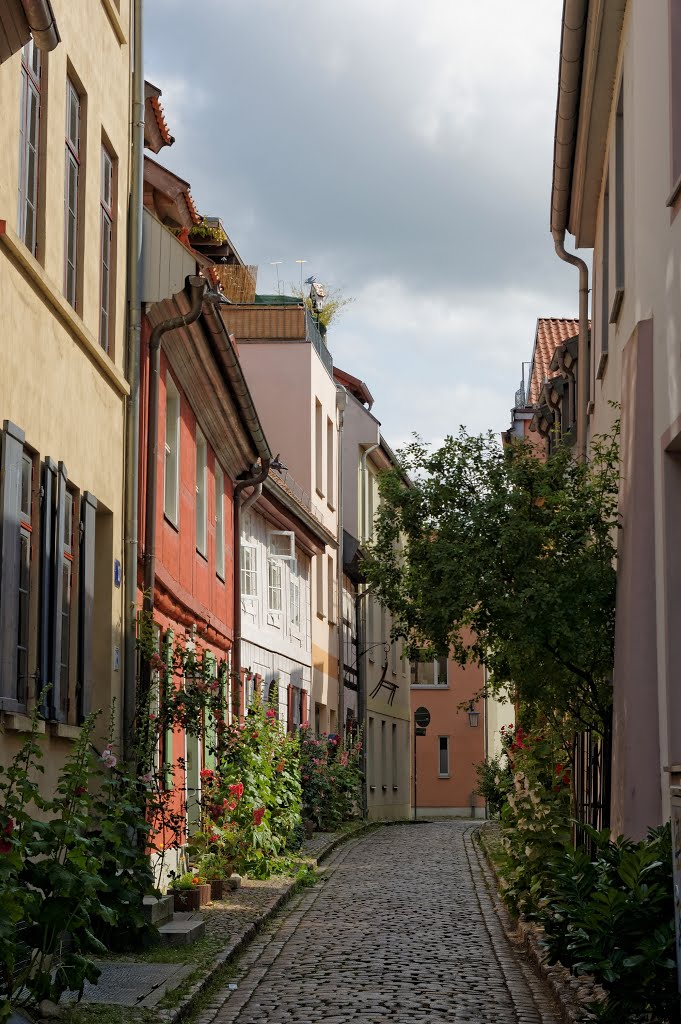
<point>133,984</point>
<point>403,928</point>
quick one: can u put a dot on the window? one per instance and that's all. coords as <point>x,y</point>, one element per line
<point>675,100</point>
<point>219,521</point>
<point>384,754</point>
<point>106,268</point>
<point>295,602</point>
<point>443,756</point>
<point>71,192</point>
<point>619,209</point>
<point>25,537</point>
<point>319,478</point>
<point>331,584</point>
<point>66,591</point>
<point>274,591</point>
<point>29,140</point>
<point>249,572</point>
<point>429,673</point>
<point>393,750</point>
<point>282,544</point>
<point>201,462</point>
<point>172,452</point>
<point>319,581</point>
<point>330,481</point>
<point>605,282</point>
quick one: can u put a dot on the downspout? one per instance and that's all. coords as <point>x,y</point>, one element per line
<point>256,482</point>
<point>132,410</point>
<point>40,18</point>
<point>196,287</point>
<point>341,403</point>
<point>583,342</point>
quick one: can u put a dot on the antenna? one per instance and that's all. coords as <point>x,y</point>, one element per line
<point>301,274</point>
<point>277,264</point>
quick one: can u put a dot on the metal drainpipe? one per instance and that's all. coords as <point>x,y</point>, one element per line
<point>132,410</point>
<point>341,403</point>
<point>255,481</point>
<point>583,343</point>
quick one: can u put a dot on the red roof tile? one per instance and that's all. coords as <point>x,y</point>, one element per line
<point>552,331</point>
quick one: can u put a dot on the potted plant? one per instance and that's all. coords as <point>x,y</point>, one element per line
<point>217,869</point>
<point>190,892</point>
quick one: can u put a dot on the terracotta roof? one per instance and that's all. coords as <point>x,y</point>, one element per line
<point>552,331</point>
<point>156,134</point>
<point>263,323</point>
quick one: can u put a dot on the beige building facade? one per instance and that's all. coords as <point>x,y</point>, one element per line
<point>617,189</point>
<point>64,166</point>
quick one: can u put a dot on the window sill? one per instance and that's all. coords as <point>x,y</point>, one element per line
<point>220,577</point>
<point>441,776</point>
<point>202,555</point>
<point>319,493</point>
<point>395,789</point>
<point>430,686</point>
<point>384,788</point>
<point>331,508</point>
<point>169,521</point>
<point>65,732</point>
<point>115,19</point>
<point>320,615</point>
<point>602,365</point>
<point>14,721</point>
<point>674,194</point>
<point>616,306</point>
<point>372,789</point>
<point>61,307</point>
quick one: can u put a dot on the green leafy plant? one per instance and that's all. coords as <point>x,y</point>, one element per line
<point>331,779</point>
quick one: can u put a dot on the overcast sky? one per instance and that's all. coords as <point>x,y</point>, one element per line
<point>404,150</point>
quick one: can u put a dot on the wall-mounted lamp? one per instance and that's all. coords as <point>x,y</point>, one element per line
<point>473,716</point>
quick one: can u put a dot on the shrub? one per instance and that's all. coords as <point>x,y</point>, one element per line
<point>331,779</point>
<point>614,918</point>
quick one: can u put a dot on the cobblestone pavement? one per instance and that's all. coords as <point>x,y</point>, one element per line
<point>403,930</point>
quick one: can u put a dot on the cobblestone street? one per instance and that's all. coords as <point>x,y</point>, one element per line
<point>402,930</point>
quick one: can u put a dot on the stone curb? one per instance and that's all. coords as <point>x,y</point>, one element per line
<point>573,995</point>
<point>231,951</point>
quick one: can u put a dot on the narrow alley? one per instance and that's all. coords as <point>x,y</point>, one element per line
<point>403,929</point>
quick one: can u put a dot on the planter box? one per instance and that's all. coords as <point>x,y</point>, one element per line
<point>219,887</point>
<point>191,899</point>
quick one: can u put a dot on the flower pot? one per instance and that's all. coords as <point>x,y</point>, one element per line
<point>204,893</point>
<point>186,899</point>
<point>219,887</point>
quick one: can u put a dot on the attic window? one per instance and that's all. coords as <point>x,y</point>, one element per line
<point>282,544</point>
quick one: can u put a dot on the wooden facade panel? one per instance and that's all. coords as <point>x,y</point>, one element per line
<point>165,261</point>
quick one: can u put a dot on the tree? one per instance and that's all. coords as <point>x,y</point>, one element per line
<point>509,560</point>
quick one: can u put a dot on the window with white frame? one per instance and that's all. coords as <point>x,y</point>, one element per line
<point>443,756</point>
<point>106,268</point>
<point>281,544</point>
<point>172,452</point>
<point>29,146</point>
<point>71,189</point>
<point>275,601</point>
<point>432,672</point>
<point>249,571</point>
<point>294,585</point>
<point>219,521</point>
<point>201,464</point>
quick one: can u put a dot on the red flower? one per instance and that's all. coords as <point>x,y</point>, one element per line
<point>5,847</point>
<point>215,838</point>
<point>271,713</point>
<point>258,815</point>
<point>207,775</point>
<point>280,766</point>
<point>559,769</point>
<point>231,806</point>
<point>9,827</point>
<point>237,790</point>
<point>80,790</point>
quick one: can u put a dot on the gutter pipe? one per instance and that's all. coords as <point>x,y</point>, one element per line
<point>583,342</point>
<point>42,23</point>
<point>132,410</point>
<point>341,404</point>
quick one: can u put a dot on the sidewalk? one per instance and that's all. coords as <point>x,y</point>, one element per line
<point>160,985</point>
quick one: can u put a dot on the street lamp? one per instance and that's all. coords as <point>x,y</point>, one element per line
<point>473,716</point>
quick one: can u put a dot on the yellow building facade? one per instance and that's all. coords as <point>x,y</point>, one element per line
<point>64,183</point>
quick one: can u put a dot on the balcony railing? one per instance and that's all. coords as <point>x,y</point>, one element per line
<point>315,338</point>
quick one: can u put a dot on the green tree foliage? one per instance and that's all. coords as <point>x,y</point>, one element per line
<point>509,559</point>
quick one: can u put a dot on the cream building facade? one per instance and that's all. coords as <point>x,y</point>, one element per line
<point>64,167</point>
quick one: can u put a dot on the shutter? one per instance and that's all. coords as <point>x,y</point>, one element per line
<point>10,500</point>
<point>291,696</point>
<point>49,486</point>
<point>86,603</point>
<point>303,707</point>
<point>54,665</point>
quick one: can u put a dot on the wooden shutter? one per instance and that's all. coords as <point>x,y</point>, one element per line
<point>86,604</point>
<point>10,500</point>
<point>291,696</point>
<point>54,665</point>
<point>47,511</point>
<point>303,706</point>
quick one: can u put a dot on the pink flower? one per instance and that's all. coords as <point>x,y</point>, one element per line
<point>271,713</point>
<point>108,757</point>
<point>147,777</point>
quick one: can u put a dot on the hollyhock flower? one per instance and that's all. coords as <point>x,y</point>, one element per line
<point>231,806</point>
<point>80,790</point>
<point>280,766</point>
<point>207,775</point>
<point>237,790</point>
<point>270,713</point>
<point>108,757</point>
<point>304,725</point>
<point>5,847</point>
<point>559,769</point>
<point>214,838</point>
<point>147,777</point>
<point>258,815</point>
<point>9,827</point>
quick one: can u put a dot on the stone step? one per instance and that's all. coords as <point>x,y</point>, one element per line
<point>158,911</point>
<point>184,929</point>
